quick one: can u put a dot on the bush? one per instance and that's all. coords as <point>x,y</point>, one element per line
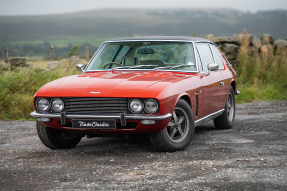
<point>19,86</point>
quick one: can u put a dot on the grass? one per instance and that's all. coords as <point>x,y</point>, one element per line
<point>44,63</point>
<point>269,92</point>
<point>261,76</point>
<point>96,41</point>
<point>39,63</point>
<point>19,86</point>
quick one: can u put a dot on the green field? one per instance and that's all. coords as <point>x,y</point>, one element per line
<point>96,41</point>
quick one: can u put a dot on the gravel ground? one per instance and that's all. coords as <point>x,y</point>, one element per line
<point>251,156</point>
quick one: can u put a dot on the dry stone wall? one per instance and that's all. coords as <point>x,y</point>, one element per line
<point>230,45</point>
<point>22,62</point>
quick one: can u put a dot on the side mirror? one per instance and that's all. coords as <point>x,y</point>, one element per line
<point>81,67</point>
<point>212,67</point>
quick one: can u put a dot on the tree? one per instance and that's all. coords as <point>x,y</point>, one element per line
<point>74,51</point>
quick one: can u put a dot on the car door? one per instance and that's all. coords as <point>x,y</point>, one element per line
<point>226,74</point>
<point>211,83</point>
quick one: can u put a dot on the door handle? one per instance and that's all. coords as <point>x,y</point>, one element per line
<point>221,83</point>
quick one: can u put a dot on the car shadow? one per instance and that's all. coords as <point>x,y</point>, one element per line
<point>107,144</point>
<point>130,144</point>
<point>207,127</point>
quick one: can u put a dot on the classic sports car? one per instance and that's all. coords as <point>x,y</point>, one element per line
<point>161,86</point>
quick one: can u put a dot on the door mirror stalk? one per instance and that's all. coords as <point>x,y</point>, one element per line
<point>81,67</point>
<point>212,67</point>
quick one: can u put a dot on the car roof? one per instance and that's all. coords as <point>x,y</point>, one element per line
<point>162,38</point>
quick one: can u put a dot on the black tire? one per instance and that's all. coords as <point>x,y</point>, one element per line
<point>56,139</point>
<point>176,136</point>
<point>226,120</point>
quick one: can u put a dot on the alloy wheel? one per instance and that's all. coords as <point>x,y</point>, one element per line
<point>230,107</point>
<point>178,127</point>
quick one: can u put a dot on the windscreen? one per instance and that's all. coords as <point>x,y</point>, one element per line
<point>144,55</point>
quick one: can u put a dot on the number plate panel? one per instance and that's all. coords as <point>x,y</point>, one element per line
<point>94,124</point>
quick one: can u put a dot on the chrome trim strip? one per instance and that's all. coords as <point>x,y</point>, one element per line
<point>147,40</point>
<point>208,117</point>
<point>34,114</point>
<point>185,71</point>
<point>212,53</point>
<point>196,57</point>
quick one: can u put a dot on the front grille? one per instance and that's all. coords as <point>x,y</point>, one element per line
<point>96,105</point>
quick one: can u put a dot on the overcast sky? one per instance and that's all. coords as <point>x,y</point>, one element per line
<point>36,7</point>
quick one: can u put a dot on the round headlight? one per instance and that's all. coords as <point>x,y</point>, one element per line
<point>150,106</point>
<point>57,105</point>
<point>43,104</point>
<point>136,106</point>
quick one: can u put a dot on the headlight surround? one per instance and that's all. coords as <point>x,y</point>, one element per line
<point>43,104</point>
<point>135,106</point>
<point>57,105</point>
<point>150,106</point>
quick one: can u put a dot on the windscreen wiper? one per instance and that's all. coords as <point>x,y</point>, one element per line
<point>130,67</point>
<point>120,67</point>
<point>161,68</point>
<point>170,67</point>
<point>138,66</point>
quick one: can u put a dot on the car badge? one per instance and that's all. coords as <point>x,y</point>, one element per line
<point>95,92</point>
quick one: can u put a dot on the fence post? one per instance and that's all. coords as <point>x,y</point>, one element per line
<point>6,55</point>
<point>52,53</point>
<point>87,53</point>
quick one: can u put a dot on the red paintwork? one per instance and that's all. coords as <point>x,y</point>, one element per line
<point>167,87</point>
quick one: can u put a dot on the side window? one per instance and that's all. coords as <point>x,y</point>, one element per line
<point>217,56</point>
<point>205,55</point>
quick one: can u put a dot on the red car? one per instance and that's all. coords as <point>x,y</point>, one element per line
<point>161,86</point>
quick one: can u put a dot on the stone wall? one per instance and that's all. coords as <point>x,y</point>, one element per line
<point>230,45</point>
<point>19,62</point>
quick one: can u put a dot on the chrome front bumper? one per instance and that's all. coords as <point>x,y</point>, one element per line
<point>122,116</point>
<point>34,114</point>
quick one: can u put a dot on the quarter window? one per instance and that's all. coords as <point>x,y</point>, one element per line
<point>217,56</point>
<point>205,55</point>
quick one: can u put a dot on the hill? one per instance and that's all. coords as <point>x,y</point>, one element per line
<point>133,22</point>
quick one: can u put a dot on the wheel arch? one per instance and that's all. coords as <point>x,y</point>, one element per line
<point>186,98</point>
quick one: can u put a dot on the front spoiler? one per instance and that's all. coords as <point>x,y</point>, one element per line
<point>34,114</point>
